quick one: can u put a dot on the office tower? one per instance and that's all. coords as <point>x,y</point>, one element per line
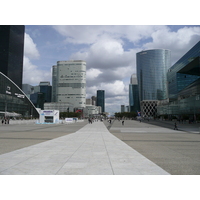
<point>101,99</point>
<point>94,100</point>
<point>122,108</point>
<point>134,103</point>
<point>11,52</point>
<point>54,83</point>
<point>152,66</point>
<point>184,72</point>
<point>184,87</point>
<point>46,88</point>
<point>69,82</point>
<point>27,89</point>
<point>88,101</point>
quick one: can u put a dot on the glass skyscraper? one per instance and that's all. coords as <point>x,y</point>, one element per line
<point>152,66</point>
<point>184,87</point>
<point>12,51</point>
<point>101,99</point>
<point>134,104</point>
<point>184,72</point>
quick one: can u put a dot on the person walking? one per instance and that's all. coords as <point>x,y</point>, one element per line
<point>175,126</point>
<point>123,122</point>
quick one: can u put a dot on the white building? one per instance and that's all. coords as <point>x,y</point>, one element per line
<point>91,110</point>
<point>61,106</point>
<point>69,82</point>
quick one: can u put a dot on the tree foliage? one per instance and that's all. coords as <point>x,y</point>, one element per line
<point>69,115</point>
<point>129,115</point>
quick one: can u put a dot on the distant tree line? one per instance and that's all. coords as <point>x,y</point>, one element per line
<point>130,115</point>
<point>70,115</point>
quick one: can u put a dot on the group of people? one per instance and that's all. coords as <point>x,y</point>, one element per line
<point>5,120</point>
<point>90,120</point>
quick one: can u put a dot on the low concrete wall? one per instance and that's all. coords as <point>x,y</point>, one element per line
<point>35,121</point>
<point>30,121</point>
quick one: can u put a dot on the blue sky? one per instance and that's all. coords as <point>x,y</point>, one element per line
<point>110,53</point>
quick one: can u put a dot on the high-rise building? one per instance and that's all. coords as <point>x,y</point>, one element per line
<point>46,88</point>
<point>11,52</point>
<point>152,66</point>
<point>184,72</point>
<point>101,99</point>
<point>94,100</point>
<point>134,103</point>
<point>69,82</point>
<point>54,83</point>
<point>183,87</point>
<point>122,108</point>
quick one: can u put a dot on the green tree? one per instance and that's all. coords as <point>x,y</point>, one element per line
<point>69,115</point>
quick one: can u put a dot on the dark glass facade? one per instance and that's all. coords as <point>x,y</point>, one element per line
<point>184,72</point>
<point>184,87</point>
<point>38,99</point>
<point>101,99</point>
<point>12,51</point>
<point>47,92</point>
<point>13,99</point>
<point>152,66</point>
<point>134,102</point>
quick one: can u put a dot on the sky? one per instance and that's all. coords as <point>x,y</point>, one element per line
<point>109,51</point>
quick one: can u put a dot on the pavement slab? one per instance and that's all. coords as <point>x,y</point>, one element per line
<point>92,150</point>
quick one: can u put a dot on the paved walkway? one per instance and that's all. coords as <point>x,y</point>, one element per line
<point>175,151</point>
<point>91,150</point>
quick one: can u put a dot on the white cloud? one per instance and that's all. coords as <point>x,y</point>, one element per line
<point>116,88</point>
<point>31,73</point>
<point>178,42</point>
<point>90,34</point>
<point>92,74</point>
<point>30,49</point>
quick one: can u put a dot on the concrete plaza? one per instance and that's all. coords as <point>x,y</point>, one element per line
<point>90,149</point>
<point>176,151</point>
<point>152,148</point>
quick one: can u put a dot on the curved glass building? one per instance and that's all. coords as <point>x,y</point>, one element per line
<point>14,100</point>
<point>184,87</point>
<point>152,67</point>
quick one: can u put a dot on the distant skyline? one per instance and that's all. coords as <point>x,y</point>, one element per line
<point>109,51</point>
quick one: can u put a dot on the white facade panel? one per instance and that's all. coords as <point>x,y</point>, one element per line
<point>71,82</point>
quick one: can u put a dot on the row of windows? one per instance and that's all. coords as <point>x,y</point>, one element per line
<point>69,94</point>
<point>73,85</point>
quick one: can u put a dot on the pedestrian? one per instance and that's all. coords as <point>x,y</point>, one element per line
<point>175,126</point>
<point>122,122</point>
<point>2,121</point>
